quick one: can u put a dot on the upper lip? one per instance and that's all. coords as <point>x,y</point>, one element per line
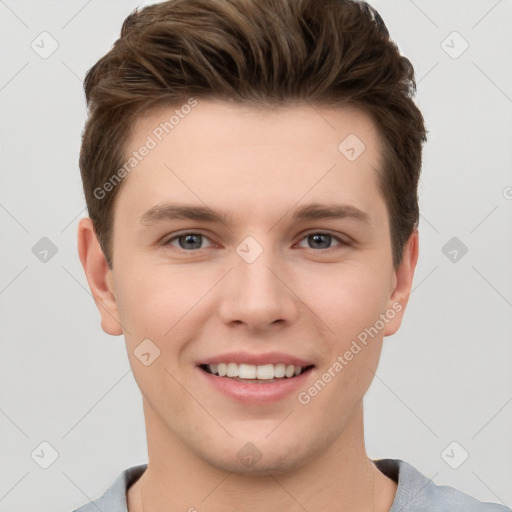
<point>256,359</point>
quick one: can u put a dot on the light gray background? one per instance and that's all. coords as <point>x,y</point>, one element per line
<point>446,376</point>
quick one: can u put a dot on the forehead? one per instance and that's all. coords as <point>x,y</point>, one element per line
<point>215,125</point>
<point>253,159</point>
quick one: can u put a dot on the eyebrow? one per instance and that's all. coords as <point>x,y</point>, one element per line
<point>314,211</point>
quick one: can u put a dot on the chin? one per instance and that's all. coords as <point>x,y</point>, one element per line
<point>258,455</point>
<point>273,464</point>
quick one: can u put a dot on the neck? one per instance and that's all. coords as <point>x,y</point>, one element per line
<point>177,479</point>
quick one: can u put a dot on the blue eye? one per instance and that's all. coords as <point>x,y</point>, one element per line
<point>194,241</point>
<point>321,240</point>
<point>188,241</point>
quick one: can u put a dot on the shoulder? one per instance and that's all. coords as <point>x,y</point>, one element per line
<point>114,498</point>
<point>417,493</point>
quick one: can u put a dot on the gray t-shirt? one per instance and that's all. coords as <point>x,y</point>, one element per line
<point>415,492</point>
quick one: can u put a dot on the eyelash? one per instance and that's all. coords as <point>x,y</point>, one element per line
<point>333,237</point>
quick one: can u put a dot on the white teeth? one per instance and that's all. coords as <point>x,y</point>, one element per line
<point>251,371</point>
<point>265,372</point>
<point>232,370</point>
<point>247,371</point>
<point>222,369</point>
<point>279,370</point>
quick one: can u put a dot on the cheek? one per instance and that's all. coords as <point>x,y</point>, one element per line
<point>161,300</point>
<point>347,300</point>
<point>156,305</point>
<point>350,304</point>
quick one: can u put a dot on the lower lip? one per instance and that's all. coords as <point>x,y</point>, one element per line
<point>254,392</point>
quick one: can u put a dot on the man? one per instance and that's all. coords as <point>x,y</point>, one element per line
<point>250,169</point>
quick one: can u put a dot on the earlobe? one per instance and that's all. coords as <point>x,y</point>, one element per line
<point>403,278</point>
<point>99,277</point>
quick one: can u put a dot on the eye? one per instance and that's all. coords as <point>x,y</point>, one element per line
<point>188,241</point>
<point>322,240</point>
<point>194,241</point>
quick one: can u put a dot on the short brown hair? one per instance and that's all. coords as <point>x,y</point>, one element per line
<point>263,53</point>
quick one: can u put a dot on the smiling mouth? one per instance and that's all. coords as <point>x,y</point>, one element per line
<point>258,374</point>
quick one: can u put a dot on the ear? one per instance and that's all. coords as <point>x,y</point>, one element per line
<point>99,276</point>
<point>402,283</point>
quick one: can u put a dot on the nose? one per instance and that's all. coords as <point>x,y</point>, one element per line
<point>259,294</point>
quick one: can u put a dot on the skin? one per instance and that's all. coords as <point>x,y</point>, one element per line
<point>298,297</point>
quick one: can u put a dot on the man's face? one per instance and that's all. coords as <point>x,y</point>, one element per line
<point>264,286</point>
